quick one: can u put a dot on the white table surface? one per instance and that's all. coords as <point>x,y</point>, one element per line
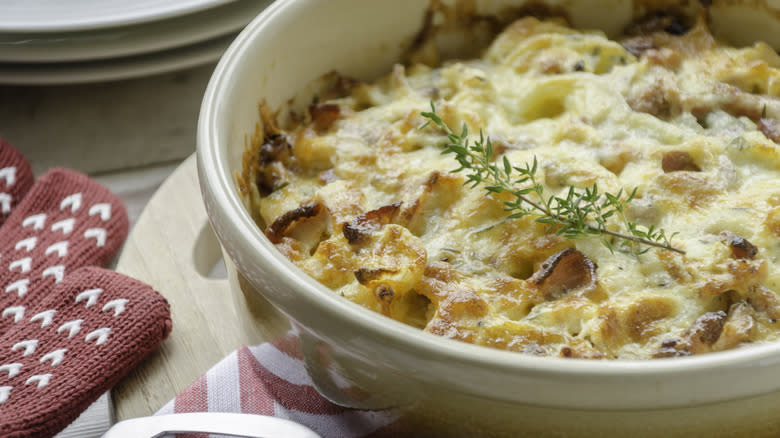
<point>129,135</point>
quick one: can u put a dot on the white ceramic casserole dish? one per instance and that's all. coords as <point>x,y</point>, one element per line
<point>442,387</point>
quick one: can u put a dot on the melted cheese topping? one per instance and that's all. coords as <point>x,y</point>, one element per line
<point>363,200</point>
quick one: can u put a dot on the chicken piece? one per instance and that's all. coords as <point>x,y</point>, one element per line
<point>389,261</point>
<point>740,247</point>
<point>458,307</point>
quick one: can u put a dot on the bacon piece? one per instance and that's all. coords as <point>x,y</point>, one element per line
<point>370,221</point>
<point>564,271</point>
<point>672,348</point>
<point>272,154</point>
<point>740,247</point>
<point>700,337</point>
<point>707,328</point>
<point>275,147</point>
<point>265,162</point>
<point>324,115</point>
<point>675,161</point>
<point>365,275</point>
<point>277,230</point>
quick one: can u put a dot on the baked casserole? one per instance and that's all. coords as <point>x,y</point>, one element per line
<point>357,192</point>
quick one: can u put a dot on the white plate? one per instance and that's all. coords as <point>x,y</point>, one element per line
<point>115,68</point>
<point>128,40</point>
<point>71,15</point>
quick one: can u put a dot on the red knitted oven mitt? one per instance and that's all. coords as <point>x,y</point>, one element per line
<point>69,330</point>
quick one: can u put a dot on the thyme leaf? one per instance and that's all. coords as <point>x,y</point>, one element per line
<point>576,215</point>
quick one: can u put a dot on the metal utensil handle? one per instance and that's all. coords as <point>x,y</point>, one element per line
<point>238,425</point>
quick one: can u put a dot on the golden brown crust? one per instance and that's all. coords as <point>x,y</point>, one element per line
<point>364,224</point>
<point>283,223</point>
<point>358,195</point>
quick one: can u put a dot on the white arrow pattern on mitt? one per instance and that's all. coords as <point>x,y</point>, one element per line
<point>65,225</point>
<point>13,369</point>
<point>56,357</point>
<point>101,334</point>
<point>91,295</point>
<point>28,244</point>
<point>23,265</point>
<point>41,379</point>
<point>29,346</point>
<point>104,210</point>
<point>19,286</point>
<point>73,201</point>
<point>61,248</point>
<point>98,233</point>
<point>16,311</point>
<point>56,271</point>
<point>73,327</point>
<point>46,317</point>
<point>37,221</point>
<point>117,305</point>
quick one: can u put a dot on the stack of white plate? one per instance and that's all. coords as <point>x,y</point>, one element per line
<point>65,42</point>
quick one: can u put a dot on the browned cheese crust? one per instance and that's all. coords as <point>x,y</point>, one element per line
<point>360,197</point>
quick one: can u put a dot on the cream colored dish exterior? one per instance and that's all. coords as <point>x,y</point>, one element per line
<point>360,359</point>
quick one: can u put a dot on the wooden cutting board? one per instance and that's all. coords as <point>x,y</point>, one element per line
<point>172,248</point>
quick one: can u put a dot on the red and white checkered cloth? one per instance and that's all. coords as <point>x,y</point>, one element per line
<point>270,379</point>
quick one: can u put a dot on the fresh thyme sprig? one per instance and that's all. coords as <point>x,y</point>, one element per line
<point>579,214</point>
